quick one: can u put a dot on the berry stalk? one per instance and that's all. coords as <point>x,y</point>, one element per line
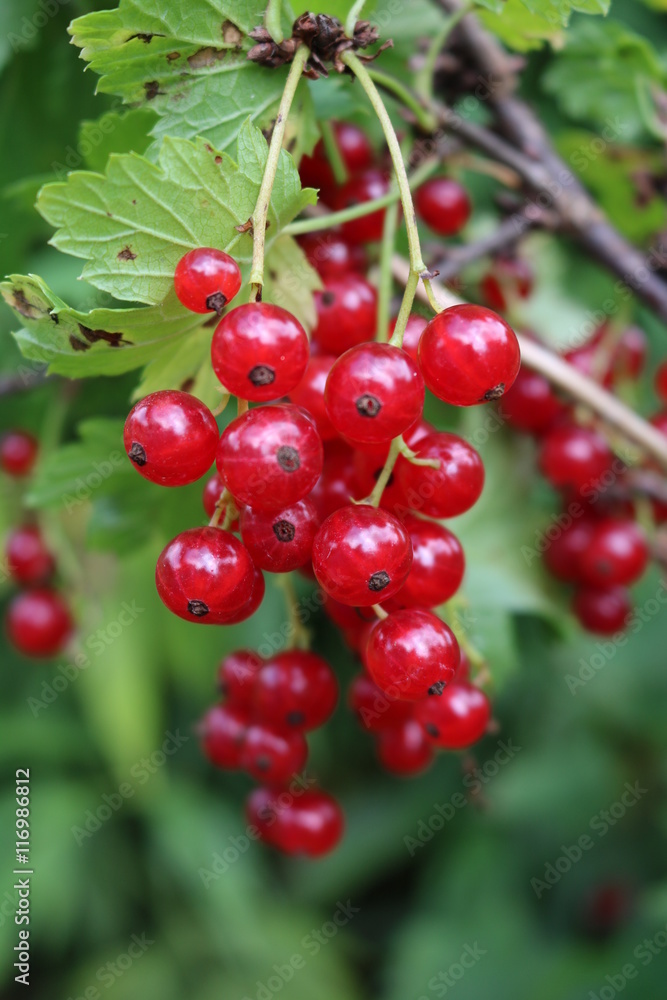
<point>261,212</point>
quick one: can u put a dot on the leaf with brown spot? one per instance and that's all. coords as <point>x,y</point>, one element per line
<point>126,254</point>
<point>78,345</point>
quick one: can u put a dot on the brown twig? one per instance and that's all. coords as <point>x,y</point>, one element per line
<point>505,236</point>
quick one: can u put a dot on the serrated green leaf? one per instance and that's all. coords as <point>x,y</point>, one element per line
<point>290,280</point>
<point>527,24</point>
<point>596,77</point>
<point>134,223</point>
<point>187,60</point>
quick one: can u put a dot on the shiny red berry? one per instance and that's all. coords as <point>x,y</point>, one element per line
<point>295,690</point>
<point>337,484</point>
<point>617,553</point>
<point>39,623</point>
<point>236,676</point>
<point>279,541</point>
<point>272,756</point>
<point>412,653</point>
<point>412,335</point>
<point>404,749</point>
<point>660,382</point>
<point>374,392</point>
<point>361,555</point>
<point>210,497</point>
<point>509,279</point>
<point>332,256</point>
<point>531,405</point>
<point>309,394</point>
<point>443,204</point>
<point>18,453</point>
<point>452,488</point>
<point>438,565</point>
<point>603,611</point>
<point>28,559</point>
<point>171,437</point>
<point>366,186</point>
<point>206,280</point>
<point>375,709</point>
<point>346,314</point>
<point>574,457</point>
<point>259,351</point>
<point>249,607</point>
<point>457,719</point>
<point>222,732</point>
<point>468,355</point>
<point>309,823</point>
<point>205,575</point>
<point>270,457</point>
<point>565,550</point>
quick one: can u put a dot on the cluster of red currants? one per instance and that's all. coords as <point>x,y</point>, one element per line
<point>595,544</point>
<point>38,620</point>
<point>260,728</point>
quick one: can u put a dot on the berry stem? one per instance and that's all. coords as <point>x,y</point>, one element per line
<point>272,20</point>
<point>327,220</point>
<point>261,212</point>
<point>334,155</point>
<point>404,312</point>
<point>241,407</point>
<point>374,498</point>
<point>425,119</point>
<point>300,635</point>
<point>353,17</point>
<point>424,79</point>
<point>432,301</point>
<point>410,456</point>
<point>386,280</point>
<point>379,611</point>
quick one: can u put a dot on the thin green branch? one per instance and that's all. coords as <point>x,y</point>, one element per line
<point>425,118</point>
<point>353,17</point>
<point>261,212</point>
<point>334,155</point>
<point>424,79</point>
<point>273,20</point>
<point>386,279</point>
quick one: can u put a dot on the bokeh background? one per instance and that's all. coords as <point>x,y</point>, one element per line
<point>438,900</point>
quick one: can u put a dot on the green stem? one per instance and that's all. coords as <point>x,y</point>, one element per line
<point>331,219</point>
<point>425,118</point>
<point>353,63</point>
<point>405,310</point>
<point>386,280</point>
<point>430,295</point>
<point>353,17</point>
<point>261,212</point>
<point>272,20</point>
<point>424,79</point>
<point>394,451</point>
<point>334,155</point>
<point>379,611</point>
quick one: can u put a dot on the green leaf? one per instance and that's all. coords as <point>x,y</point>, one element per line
<point>135,222</point>
<point>596,78</point>
<point>290,280</point>
<point>187,60</point>
<point>527,24</point>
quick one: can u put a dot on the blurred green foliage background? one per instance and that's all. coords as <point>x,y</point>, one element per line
<point>437,902</point>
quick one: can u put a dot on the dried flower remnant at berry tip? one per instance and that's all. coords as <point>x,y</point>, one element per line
<point>325,37</point>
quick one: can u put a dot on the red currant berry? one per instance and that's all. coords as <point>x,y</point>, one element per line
<point>259,351</point>
<point>468,355</point>
<point>354,148</point>
<point>171,438</point>
<point>361,555</point>
<point>309,394</point>
<point>375,709</point>
<point>347,617</point>
<point>18,453</point>
<point>28,559</point>
<point>603,611</point>
<point>206,280</point>
<point>222,733</point>
<point>573,457</point>
<point>346,314</point>
<point>251,605</point>
<point>212,493</point>
<point>452,488</point>
<point>337,484</point>
<point>412,335</point>
<point>412,653</point>
<point>205,575</point>
<point>564,555</point>
<point>270,457</point>
<point>332,256</point>
<point>617,553</point>
<point>282,540</point>
<point>369,461</point>
<point>272,756</point>
<point>443,204</point>
<point>310,824</point>
<point>366,186</point>
<point>509,279</point>
<point>531,405</point>
<point>236,676</point>
<point>39,623</point>
<point>457,719</point>
<point>437,569</point>
<point>404,750</point>
<point>374,393</point>
<point>295,690</point>
<point>661,382</point>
